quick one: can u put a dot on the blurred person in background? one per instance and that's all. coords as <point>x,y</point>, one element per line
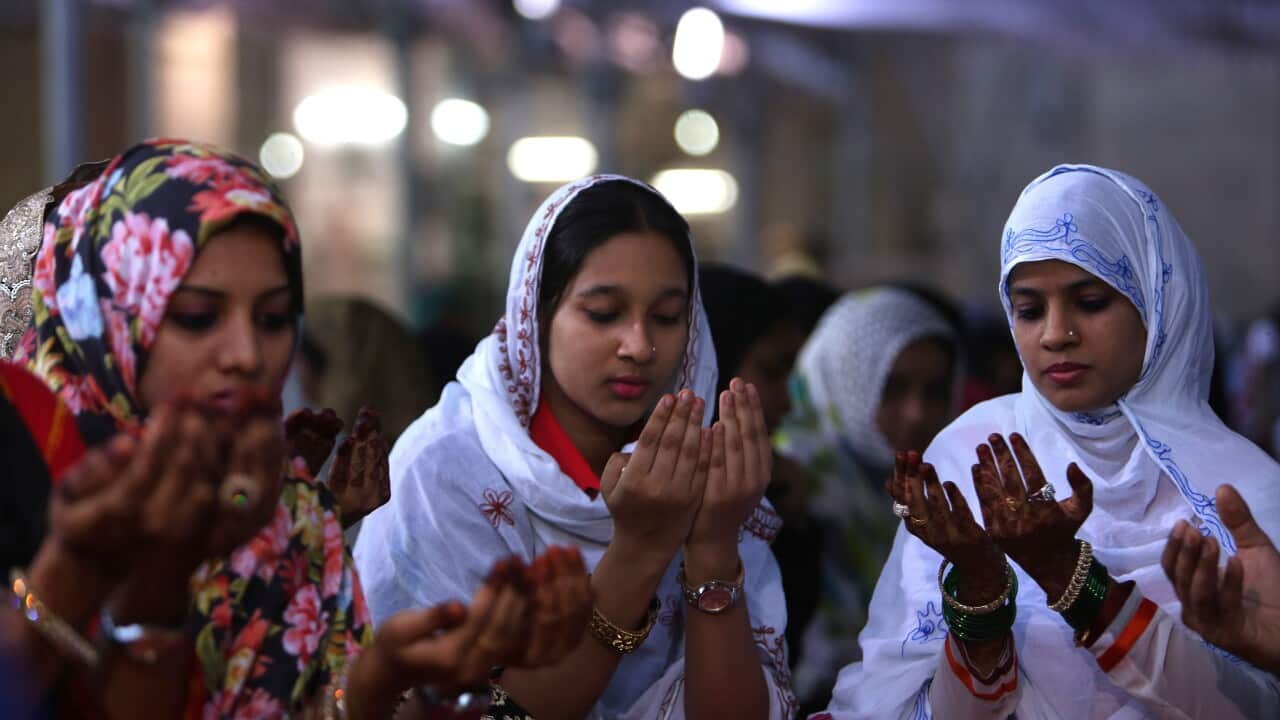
<point>562,428</point>
<point>876,376</point>
<point>167,298</point>
<point>1255,402</point>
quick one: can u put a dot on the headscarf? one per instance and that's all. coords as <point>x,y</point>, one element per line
<point>467,473</point>
<point>1155,456</point>
<point>831,431</point>
<point>283,614</point>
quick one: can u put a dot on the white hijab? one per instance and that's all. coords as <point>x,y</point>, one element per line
<point>469,485</point>
<point>1154,457</point>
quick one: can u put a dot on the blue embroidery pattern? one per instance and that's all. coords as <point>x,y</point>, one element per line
<point>1223,653</point>
<point>1066,234</point>
<point>1203,505</point>
<point>920,711</point>
<point>929,626</point>
<point>1097,419</point>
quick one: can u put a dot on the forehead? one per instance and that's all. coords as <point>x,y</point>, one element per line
<point>1050,274</point>
<point>244,255</point>
<point>633,260</point>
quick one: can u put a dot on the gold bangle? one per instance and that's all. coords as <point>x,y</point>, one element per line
<point>986,609</point>
<point>54,629</point>
<point>1078,578</point>
<point>615,638</point>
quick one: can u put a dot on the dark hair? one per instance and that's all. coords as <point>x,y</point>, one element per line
<point>807,299</point>
<point>593,217</point>
<point>741,309</point>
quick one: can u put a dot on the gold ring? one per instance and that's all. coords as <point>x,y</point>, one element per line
<point>918,522</point>
<point>1012,504</point>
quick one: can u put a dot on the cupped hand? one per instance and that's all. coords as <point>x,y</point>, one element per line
<point>311,435</point>
<point>561,601</point>
<point>1241,612</point>
<point>361,477</point>
<point>1037,532</point>
<point>739,470</point>
<point>654,493</point>
<point>940,517</point>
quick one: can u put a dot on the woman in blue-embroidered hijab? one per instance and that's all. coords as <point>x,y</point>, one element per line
<point>1052,608</point>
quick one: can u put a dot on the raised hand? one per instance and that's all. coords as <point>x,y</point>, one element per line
<point>361,477</point>
<point>738,473</point>
<point>253,476</point>
<point>450,648</point>
<point>1022,517</point>
<point>654,493</point>
<point>311,435</point>
<point>939,516</point>
<point>561,601</point>
<point>1240,613</point>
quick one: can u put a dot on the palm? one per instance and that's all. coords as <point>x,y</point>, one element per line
<point>1257,625</point>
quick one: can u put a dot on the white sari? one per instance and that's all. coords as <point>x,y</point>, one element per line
<point>1155,456</point>
<point>469,486</point>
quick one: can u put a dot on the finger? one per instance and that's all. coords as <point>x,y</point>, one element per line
<point>613,473</point>
<point>1203,596</point>
<point>498,639</point>
<point>1172,549</point>
<point>914,488</point>
<point>413,625</point>
<point>690,448</point>
<point>733,450</point>
<point>1230,598</point>
<point>896,483</point>
<point>705,449</point>
<point>369,420</point>
<point>175,505</point>
<point>988,496</point>
<point>1185,565</point>
<point>959,506</point>
<point>1031,471</point>
<point>1080,504</point>
<point>759,435</point>
<point>935,500</point>
<point>1010,476</point>
<point>647,444</point>
<point>361,462</point>
<point>663,469</point>
<point>1239,520</point>
<point>541,630</point>
<point>719,462</point>
<point>157,437</point>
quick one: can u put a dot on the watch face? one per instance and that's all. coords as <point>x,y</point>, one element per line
<point>715,599</point>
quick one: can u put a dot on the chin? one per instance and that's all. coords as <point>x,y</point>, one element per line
<point>1074,400</point>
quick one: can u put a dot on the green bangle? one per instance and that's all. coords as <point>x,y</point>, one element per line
<point>1088,604</point>
<point>979,627</point>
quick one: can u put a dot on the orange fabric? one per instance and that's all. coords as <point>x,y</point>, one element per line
<point>966,677</point>
<point>1128,636</point>
<point>546,433</point>
<point>51,425</point>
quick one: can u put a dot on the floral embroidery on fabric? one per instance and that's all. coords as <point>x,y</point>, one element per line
<point>929,626</point>
<point>764,523</point>
<point>496,507</point>
<point>1065,234</point>
<point>774,647</point>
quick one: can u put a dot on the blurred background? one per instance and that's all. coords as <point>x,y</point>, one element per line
<point>857,141</point>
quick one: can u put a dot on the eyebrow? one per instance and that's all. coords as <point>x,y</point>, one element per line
<point>599,290</point>
<point>1081,284</point>
<point>215,293</point>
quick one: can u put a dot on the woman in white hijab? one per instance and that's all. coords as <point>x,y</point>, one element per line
<point>603,320</point>
<point>877,375</point>
<point>1109,309</point>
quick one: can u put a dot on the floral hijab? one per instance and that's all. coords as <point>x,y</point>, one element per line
<point>283,614</point>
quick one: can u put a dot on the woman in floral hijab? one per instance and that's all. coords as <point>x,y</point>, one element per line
<point>279,617</point>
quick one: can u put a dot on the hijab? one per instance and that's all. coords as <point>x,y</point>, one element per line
<point>1155,455</point>
<point>283,614</point>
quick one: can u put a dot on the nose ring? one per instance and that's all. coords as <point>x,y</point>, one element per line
<point>653,349</point>
<point>1071,333</point>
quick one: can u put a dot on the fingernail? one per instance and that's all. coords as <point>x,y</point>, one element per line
<point>751,390</point>
<point>665,403</point>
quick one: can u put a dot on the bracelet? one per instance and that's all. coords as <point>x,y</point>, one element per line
<point>619,640</point>
<point>1084,611</point>
<point>979,628</point>
<point>949,597</point>
<point>54,629</point>
<point>1078,578</point>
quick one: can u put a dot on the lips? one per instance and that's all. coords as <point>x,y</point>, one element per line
<point>628,387</point>
<point>1066,373</point>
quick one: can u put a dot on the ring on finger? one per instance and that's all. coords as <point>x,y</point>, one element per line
<point>917,522</point>
<point>902,511</point>
<point>1013,504</point>
<point>1044,494</point>
<point>237,491</point>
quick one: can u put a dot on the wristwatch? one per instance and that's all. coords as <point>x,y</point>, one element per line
<point>144,644</point>
<point>713,596</point>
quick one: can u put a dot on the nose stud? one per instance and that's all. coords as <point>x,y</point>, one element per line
<point>653,349</point>
<point>1071,333</point>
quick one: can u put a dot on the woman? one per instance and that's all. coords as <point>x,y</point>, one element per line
<point>876,376</point>
<point>167,297</point>
<point>603,319</point>
<point>1109,309</point>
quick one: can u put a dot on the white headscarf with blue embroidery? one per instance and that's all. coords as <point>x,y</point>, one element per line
<point>1154,457</point>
